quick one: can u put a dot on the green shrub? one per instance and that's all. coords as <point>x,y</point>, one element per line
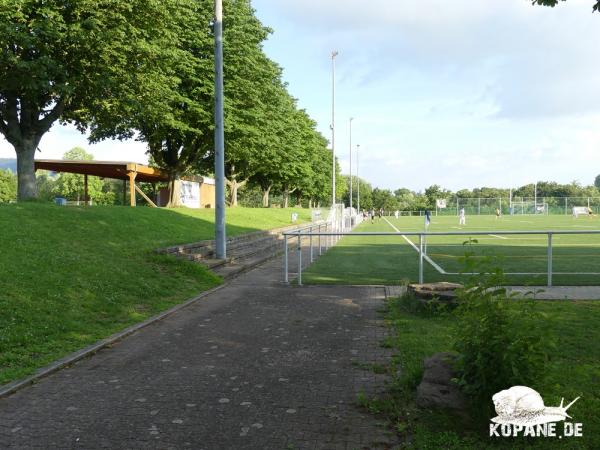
<point>501,340</point>
<point>8,186</point>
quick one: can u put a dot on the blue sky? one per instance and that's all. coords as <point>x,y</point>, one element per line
<point>457,93</point>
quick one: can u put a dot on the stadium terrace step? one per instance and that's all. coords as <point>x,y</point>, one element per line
<point>243,252</point>
<point>214,263</point>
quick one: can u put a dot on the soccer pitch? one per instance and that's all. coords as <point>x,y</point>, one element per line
<point>392,259</point>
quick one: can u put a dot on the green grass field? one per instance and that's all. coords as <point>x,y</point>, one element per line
<point>572,371</point>
<point>391,260</point>
<point>71,276</point>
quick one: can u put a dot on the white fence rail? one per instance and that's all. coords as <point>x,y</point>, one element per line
<point>334,236</point>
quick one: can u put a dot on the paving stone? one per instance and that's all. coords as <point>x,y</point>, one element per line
<point>255,365</point>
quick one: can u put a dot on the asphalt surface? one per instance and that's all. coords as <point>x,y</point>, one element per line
<point>255,365</point>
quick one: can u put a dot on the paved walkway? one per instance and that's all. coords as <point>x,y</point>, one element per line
<point>559,292</point>
<point>255,365</point>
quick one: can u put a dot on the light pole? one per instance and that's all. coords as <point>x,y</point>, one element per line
<point>333,55</point>
<point>351,119</point>
<point>357,181</point>
<point>220,236</point>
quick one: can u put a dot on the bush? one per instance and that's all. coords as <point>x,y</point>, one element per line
<point>501,341</point>
<point>8,186</point>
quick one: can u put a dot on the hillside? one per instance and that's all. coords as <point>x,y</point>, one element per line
<point>71,276</point>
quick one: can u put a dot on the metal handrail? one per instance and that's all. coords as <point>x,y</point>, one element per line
<point>447,233</point>
<point>335,235</point>
<point>297,233</point>
<point>321,222</point>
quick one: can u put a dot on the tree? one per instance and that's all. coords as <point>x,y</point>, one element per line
<point>45,183</point>
<point>597,181</point>
<point>180,135</point>
<point>553,3</point>
<point>405,199</point>
<point>69,61</point>
<point>8,186</point>
<point>435,192</point>
<point>384,198</point>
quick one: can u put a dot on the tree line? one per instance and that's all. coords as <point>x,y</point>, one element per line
<point>403,199</point>
<point>136,69</point>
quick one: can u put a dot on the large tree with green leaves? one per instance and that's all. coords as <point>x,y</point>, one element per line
<point>253,92</point>
<point>178,130</point>
<point>179,133</point>
<point>70,60</point>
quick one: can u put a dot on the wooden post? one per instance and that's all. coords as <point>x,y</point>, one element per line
<point>85,190</point>
<point>132,188</point>
<point>150,202</point>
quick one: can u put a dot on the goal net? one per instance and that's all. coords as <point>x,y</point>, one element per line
<point>526,207</point>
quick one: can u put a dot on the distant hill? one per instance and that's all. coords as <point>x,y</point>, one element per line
<point>8,163</point>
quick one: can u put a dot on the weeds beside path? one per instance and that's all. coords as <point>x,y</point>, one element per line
<point>573,371</point>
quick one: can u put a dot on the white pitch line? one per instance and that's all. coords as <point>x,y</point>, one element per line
<point>499,237</point>
<point>427,258</point>
<point>528,273</point>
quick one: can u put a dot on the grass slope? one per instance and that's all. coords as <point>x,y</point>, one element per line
<point>391,260</point>
<point>573,371</point>
<point>71,276</point>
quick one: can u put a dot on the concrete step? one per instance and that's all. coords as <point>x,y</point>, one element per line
<point>238,267</point>
<point>243,252</point>
<point>200,246</point>
<point>215,263</point>
<point>206,250</point>
<point>230,270</point>
<point>249,252</point>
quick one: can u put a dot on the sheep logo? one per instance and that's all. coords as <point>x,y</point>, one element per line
<point>524,407</point>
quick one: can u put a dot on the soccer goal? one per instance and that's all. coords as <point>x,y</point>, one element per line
<point>527,207</point>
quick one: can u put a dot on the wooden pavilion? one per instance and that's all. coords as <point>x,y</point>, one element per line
<point>126,171</point>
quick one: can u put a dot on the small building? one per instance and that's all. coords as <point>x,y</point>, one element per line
<point>195,192</point>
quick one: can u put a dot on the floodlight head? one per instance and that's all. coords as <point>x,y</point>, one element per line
<point>334,53</point>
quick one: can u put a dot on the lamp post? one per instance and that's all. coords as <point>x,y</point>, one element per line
<point>333,55</point>
<point>357,181</point>
<point>351,119</point>
<point>220,236</point>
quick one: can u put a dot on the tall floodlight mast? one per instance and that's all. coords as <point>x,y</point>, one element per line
<point>351,119</point>
<point>333,55</point>
<point>220,236</point>
<point>357,181</point>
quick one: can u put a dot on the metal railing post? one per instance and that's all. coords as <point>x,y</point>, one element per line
<point>549,259</point>
<point>420,259</point>
<point>311,244</point>
<point>285,263</point>
<point>299,260</point>
<point>319,239</point>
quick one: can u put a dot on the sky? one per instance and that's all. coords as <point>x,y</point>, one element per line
<point>458,93</point>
